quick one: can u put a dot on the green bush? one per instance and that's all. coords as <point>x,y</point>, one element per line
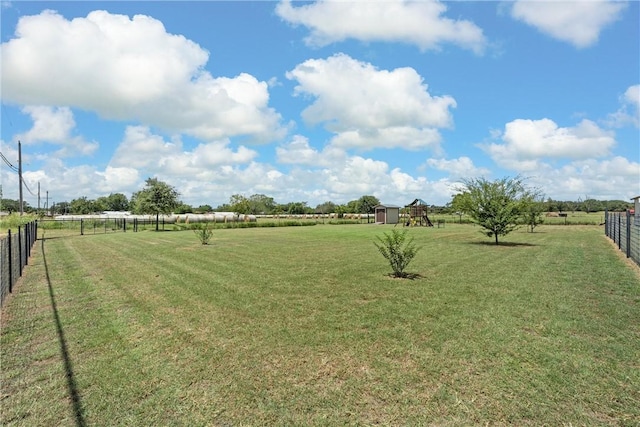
<point>397,250</point>
<point>203,232</point>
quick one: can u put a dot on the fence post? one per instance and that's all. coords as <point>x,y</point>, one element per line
<point>628,233</point>
<point>10,262</point>
<point>620,225</point>
<point>20,250</point>
<point>81,227</point>
<point>27,246</point>
<point>124,224</point>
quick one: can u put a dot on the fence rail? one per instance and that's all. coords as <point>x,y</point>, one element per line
<point>15,250</point>
<point>624,229</point>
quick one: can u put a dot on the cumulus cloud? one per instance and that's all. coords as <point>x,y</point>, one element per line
<point>149,152</point>
<point>298,151</point>
<point>610,179</point>
<point>55,125</point>
<point>576,22</point>
<point>131,69</point>
<point>65,183</point>
<point>462,167</point>
<point>629,111</point>
<point>418,23</point>
<point>526,142</point>
<point>369,108</point>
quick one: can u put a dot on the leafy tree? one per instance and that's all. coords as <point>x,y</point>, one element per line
<point>496,205</point>
<point>10,205</point>
<point>351,207</point>
<point>397,250</point>
<point>83,206</point>
<point>532,214</point>
<point>366,205</point>
<point>261,204</point>
<point>326,207</point>
<point>183,208</point>
<point>60,208</point>
<point>117,202</point>
<point>156,197</point>
<point>203,209</point>
<point>297,208</point>
<point>239,204</point>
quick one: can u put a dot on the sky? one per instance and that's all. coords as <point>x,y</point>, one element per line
<point>320,101</point>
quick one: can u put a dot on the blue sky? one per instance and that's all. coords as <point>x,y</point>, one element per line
<point>320,101</point>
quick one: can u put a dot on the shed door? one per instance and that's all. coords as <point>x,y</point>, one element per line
<point>380,215</point>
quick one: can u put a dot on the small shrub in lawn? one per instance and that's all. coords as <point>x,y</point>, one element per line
<point>397,250</point>
<point>203,232</point>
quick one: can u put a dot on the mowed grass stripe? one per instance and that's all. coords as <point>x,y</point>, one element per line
<point>302,325</point>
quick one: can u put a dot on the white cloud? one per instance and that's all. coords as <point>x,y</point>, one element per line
<point>611,179</point>
<point>370,108</point>
<point>299,152</point>
<point>132,69</point>
<point>407,137</point>
<point>55,126</point>
<point>526,142</point>
<point>629,111</point>
<point>118,178</point>
<point>576,22</point>
<point>462,167</point>
<point>65,183</point>
<point>419,23</point>
<point>151,153</point>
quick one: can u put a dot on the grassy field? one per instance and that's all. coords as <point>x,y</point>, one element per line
<point>303,326</point>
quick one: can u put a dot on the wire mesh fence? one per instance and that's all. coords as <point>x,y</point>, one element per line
<point>624,229</point>
<point>15,250</point>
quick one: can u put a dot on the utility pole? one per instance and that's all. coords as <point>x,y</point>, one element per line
<point>20,177</point>
<point>38,197</point>
<point>47,200</point>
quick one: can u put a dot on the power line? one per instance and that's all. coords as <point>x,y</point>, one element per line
<point>28,189</point>
<point>15,169</point>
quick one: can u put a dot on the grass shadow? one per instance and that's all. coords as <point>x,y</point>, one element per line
<point>507,244</point>
<point>407,276</point>
<point>74,396</point>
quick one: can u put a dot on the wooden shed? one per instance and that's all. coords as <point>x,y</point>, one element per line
<point>387,214</point>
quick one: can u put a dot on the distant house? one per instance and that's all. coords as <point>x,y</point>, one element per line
<point>636,208</point>
<point>387,214</point>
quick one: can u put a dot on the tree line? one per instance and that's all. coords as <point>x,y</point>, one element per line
<point>260,204</point>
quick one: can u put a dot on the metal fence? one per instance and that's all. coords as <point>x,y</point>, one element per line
<point>624,229</point>
<point>62,227</point>
<point>15,250</point>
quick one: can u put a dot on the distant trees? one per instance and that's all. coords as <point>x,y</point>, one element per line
<point>115,202</point>
<point>202,209</point>
<point>10,205</point>
<point>297,208</point>
<point>495,205</point>
<point>261,204</point>
<point>326,207</point>
<point>83,206</point>
<point>239,204</point>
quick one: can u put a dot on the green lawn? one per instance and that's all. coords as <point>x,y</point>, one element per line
<point>303,326</point>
